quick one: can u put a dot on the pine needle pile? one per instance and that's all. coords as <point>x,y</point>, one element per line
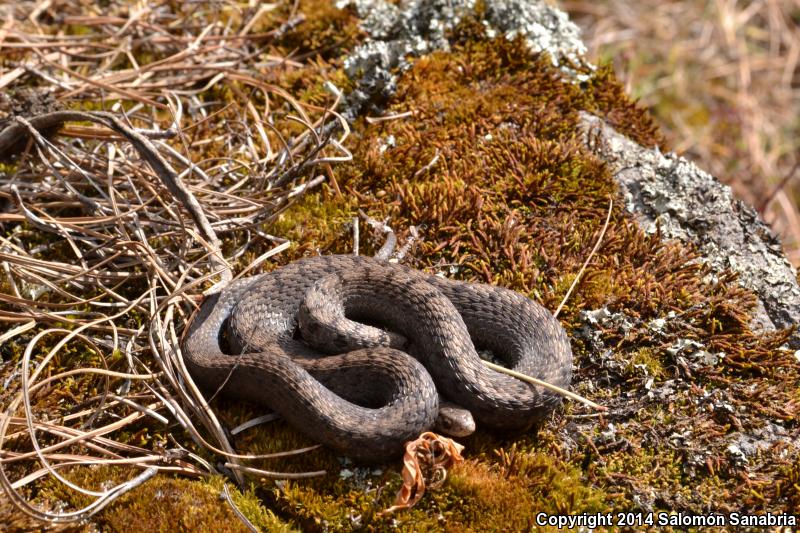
<point>112,230</point>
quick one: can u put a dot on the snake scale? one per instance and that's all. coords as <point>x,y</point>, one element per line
<point>400,334</point>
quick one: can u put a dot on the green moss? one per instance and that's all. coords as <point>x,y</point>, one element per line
<point>788,485</point>
<point>77,29</point>
<point>313,219</point>
<point>477,496</point>
<point>252,507</point>
<point>163,503</point>
<point>648,468</point>
<point>547,485</point>
<point>650,359</point>
<point>489,167</point>
<point>490,489</point>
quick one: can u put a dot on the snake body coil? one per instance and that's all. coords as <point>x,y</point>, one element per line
<point>373,397</point>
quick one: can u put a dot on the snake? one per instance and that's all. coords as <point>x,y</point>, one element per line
<point>354,352</point>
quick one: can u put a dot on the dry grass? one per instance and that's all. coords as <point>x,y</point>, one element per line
<point>111,231</point>
<point>723,79</point>
<point>102,268</point>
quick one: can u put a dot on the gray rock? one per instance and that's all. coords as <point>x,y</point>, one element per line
<point>686,203</point>
<point>418,27</point>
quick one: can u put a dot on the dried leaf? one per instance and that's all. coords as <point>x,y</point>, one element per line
<point>426,461</point>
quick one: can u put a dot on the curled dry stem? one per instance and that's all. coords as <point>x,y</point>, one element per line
<point>101,268</point>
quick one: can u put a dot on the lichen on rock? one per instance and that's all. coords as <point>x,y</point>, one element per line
<point>680,201</point>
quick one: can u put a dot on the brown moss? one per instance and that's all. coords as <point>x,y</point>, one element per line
<point>610,101</point>
<point>325,31</point>
<point>788,484</point>
<point>490,167</point>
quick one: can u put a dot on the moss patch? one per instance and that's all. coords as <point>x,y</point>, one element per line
<point>164,503</point>
<point>489,166</point>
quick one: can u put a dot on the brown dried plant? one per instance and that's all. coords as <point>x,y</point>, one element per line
<point>112,230</point>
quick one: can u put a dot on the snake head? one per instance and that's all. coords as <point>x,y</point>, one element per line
<point>454,420</point>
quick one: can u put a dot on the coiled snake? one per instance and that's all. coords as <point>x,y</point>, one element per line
<point>373,397</point>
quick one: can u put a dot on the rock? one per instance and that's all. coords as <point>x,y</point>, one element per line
<point>662,190</point>
<point>668,192</point>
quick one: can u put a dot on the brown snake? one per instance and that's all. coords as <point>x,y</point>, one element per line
<point>371,399</point>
